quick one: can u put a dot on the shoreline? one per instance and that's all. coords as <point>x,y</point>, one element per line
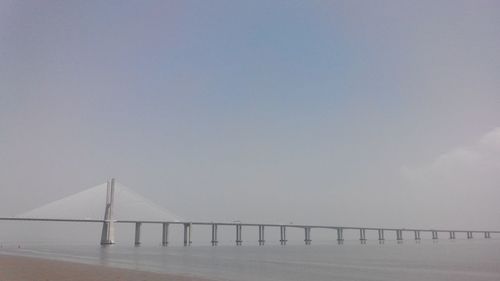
<point>20,268</point>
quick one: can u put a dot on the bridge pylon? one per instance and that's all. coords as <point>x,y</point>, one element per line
<point>108,233</point>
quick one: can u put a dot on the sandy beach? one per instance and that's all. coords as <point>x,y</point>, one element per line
<point>15,268</point>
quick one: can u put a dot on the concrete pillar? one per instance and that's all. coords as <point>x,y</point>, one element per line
<point>307,235</point>
<point>452,234</point>
<point>108,233</point>
<point>283,235</point>
<point>214,235</point>
<point>469,235</point>
<point>399,235</point>
<point>261,235</point>
<point>137,233</point>
<point>435,235</point>
<point>486,235</point>
<point>187,234</point>
<point>164,234</point>
<point>238,235</point>
<point>362,235</point>
<point>340,235</point>
<point>381,235</point>
<point>417,235</point>
<point>190,232</point>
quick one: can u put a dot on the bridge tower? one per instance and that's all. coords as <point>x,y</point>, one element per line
<point>108,232</point>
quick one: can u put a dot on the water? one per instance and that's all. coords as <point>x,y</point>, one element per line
<point>466,260</point>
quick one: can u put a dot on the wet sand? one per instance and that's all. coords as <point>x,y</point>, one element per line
<point>15,268</point>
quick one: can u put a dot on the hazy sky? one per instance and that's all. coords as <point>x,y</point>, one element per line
<point>335,112</point>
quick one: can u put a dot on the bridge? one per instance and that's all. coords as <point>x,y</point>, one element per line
<point>131,202</point>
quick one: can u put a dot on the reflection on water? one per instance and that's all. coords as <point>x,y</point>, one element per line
<point>428,260</point>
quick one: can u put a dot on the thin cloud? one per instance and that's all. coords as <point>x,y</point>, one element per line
<point>462,163</point>
<point>461,184</point>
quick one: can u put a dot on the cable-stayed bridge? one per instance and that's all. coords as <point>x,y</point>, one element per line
<point>112,203</point>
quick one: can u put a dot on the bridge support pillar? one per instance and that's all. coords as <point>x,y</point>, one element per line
<point>164,234</point>
<point>487,235</point>
<point>214,235</point>
<point>435,235</point>
<point>362,235</point>
<point>452,234</point>
<point>107,236</point>
<point>187,234</point>
<point>283,235</point>
<point>417,235</point>
<point>108,233</point>
<point>307,235</point>
<point>381,235</point>
<point>340,235</point>
<point>137,240</point>
<point>261,235</point>
<point>238,235</point>
<point>469,235</point>
<point>399,235</point>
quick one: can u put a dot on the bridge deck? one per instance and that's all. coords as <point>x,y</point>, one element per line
<point>249,224</point>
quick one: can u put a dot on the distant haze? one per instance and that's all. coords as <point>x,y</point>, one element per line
<point>376,113</point>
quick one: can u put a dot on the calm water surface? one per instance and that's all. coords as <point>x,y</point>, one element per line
<point>466,260</point>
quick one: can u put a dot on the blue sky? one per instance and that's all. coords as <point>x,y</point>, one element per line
<point>225,103</point>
